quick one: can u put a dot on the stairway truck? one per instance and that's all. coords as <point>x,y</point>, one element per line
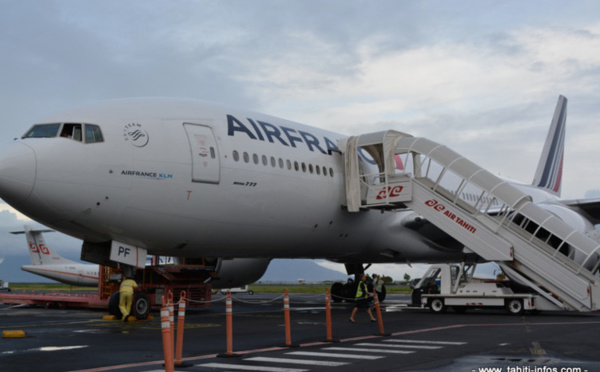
<point>453,286</point>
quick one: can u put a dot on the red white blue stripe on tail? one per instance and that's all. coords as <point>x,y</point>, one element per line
<point>548,175</point>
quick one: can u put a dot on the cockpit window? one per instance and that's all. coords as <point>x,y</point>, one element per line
<point>43,131</point>
<point>93,134</point>
<point>72,131</point>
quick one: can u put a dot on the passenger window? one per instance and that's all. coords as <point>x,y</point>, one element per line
<point>236,155</point>
<point>93,134</point>
<point>43,131</point>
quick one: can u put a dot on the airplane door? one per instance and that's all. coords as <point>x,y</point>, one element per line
<point>79,276</point>
<point>205,155</point>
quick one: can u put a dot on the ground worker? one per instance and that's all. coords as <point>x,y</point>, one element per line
<point>362,299</point>
<point>126,296</point>
<point>377,283</point>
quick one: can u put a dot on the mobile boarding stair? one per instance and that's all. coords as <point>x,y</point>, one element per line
<point>485,213</point>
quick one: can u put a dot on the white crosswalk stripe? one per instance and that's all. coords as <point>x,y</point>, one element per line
<point>335,355</point>
<point>426,342</point>
<point>335,348</point>
<point>239,367</point>
<point>423,347</point>
<point>297,361</point>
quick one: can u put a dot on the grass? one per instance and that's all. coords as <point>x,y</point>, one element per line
<point>315,288</point>
<point>257,288</point>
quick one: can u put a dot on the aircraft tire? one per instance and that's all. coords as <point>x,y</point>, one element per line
<point>382,294</point>
<point>337,291</point>
<point>141,305</point>
<point>113,305</point>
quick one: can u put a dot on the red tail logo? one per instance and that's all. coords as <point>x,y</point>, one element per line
<point>42,248</point>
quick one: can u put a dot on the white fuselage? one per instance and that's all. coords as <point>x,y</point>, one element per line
<point>73,274</point>
<point>185,178</point>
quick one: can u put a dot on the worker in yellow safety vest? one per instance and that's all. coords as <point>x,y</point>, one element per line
<point>126,296</point>
<point>362,299</point>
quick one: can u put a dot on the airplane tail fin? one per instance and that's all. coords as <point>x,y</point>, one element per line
<point>39,252</point>
<point>548,175</point>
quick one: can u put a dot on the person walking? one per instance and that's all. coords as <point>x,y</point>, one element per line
<point>362,299</point>
<point>377,287</point>
<point>126,296</point>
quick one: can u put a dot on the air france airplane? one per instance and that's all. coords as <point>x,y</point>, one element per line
<point>192,179</point>
<point>46,262</point>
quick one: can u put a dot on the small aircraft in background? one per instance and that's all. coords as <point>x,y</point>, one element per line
<point>47,263</point>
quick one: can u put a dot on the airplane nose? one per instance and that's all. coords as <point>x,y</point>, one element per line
<point>17,173</point>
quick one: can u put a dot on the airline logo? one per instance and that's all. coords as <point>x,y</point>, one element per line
<point>135,134</point>
<point>41,249</point>
<point>389,192</point>
<point>263,131</point>
<point>438,207</point>
<point>549,172</point>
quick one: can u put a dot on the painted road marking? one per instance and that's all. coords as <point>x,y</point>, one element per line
<point>423,347</point>
<point>297,361</point>
<point>427,342</point>
<point>335,355</point>
<point>369,350</point>
<point>250,368</point>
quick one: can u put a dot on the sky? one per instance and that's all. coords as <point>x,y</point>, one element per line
<point>481,77</point>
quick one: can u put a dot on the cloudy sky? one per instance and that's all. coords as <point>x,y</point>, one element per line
<point>482,77</point>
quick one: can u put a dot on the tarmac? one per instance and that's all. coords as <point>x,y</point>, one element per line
<point>412,339</point>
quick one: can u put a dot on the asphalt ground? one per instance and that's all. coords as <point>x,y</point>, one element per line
<point>413,340</point>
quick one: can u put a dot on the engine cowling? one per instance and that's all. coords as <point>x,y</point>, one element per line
<point>237,272</point>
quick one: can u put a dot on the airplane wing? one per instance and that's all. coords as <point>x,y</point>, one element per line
<point>589,208</point>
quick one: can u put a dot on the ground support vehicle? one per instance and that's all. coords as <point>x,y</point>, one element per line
<point>4,286</point>
<point>155,281</point>
<point>453,285</point>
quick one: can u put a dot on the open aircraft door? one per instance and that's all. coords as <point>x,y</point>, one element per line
<point>205,154</point>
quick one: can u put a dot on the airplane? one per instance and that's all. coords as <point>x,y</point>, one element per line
<point>46,262</point>
<point>188,178</point>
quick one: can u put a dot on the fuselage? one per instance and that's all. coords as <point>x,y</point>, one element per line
<point>74,274</point>
<point>187,178</point>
